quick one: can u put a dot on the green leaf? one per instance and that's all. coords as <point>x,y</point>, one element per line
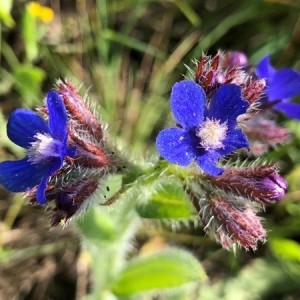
<point>285,249</point>
<point>293,179</point>
<point>168,201</point>
<point>5,141</point>
<point>168,269</point>
<point>30,35</point>
<point>28,80</point>
<point>97,226</point>
<point>5,16</point>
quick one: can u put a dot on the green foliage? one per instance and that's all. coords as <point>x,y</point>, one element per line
<point>169,201</point>
<point>166,269</point>
<point>30,36</point>
<point>285,249</point>
<point>262,279</point>
<point>5,10</point>
<point>28,80</point>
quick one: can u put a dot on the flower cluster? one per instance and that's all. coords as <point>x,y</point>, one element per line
<point>67,153</point>
<point>222,110</point>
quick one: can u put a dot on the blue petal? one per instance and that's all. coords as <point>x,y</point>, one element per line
<point>235,139</point>
<point>22,126</point>
<point>188,103</point>
<point>59,149</point>
<point>71,151</point>
<point>292,110</point>
<point>21,175</point>
<point>227,105</point>
<point>52,168</point>
<point>264,69</point>
<point>207,163</point>
<point>285,84</point>
<point>57,116</point>
<point>176,146</point>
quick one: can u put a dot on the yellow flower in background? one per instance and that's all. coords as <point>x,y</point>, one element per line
<point>43,13</point>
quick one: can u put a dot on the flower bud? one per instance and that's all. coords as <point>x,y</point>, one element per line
<point>68,199</point>
<point>79,111</point>
<point>86,132</point>
<point>89,155</point>
<point>253,90</point>
<point>228,67</point>
<point>235,58</point>
<point>262,184</point>
<point>231,221</point>
<point>266,132</point>
<point>72,199</point>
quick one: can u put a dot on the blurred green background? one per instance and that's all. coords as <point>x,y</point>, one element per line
<point>127,54</point>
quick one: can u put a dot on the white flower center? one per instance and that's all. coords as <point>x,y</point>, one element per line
<point>212,134</point>
<point>43,148</point>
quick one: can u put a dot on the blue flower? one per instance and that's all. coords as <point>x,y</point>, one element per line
<point>282,85</point>
<point>46,145</point>
<point>205,132</point>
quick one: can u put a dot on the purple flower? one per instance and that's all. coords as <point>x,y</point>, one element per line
<point>282,85</point>
<point>46,145</point>
<point>205,132</point>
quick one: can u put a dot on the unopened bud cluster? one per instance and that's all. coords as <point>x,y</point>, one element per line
<point>226,68</point>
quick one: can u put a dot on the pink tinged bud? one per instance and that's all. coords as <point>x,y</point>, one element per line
<point>262,184</point>
<point>239,223</point>
<point>226,68</point>
<point>235,58</point>
<point>88,154</point>
<point>212,72</point>
<point>258,149</point>
<point>207,71</point>
<point>236,76</point>
<point>78,110</point>
<point>253,90</point>
<point>266,131</point>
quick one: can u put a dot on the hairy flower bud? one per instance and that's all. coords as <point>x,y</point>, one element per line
<point>235,58</point>
<point>262,184</point>
<point>78,110</point>
<point>260,130</point>
<point>229,67</point>
<point>88,154</point>
<point>86,132</point>
<point>69,199</point>
<point>253,90</point>
<point>231,221</point>
<point>72,199</point>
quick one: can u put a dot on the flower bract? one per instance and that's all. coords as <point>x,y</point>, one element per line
<point>206,130</point>
<point>46,145</point>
